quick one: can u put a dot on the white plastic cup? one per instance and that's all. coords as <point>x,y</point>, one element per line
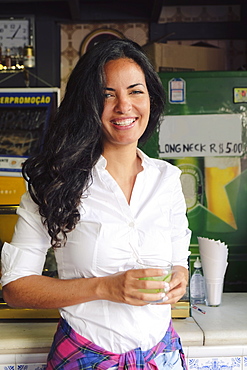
<point>214,289</point>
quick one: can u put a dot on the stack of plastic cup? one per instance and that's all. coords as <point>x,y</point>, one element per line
<point>214,263</point>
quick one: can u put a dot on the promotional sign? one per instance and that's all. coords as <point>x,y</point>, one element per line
<point>24,116</point>
<point>177,91</point>
<point>201,135</point>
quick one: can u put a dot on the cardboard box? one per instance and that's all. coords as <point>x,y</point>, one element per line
<point>173,57</point>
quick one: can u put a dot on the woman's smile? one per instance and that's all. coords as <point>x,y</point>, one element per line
<point>124,123</point>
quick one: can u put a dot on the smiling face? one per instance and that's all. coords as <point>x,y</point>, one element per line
<point>127,103</point>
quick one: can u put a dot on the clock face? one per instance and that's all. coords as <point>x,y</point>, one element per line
<point>14,35</point>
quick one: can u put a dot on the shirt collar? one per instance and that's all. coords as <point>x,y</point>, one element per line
<point>102,162</point>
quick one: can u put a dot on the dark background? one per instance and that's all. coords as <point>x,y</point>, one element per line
<point>49,14</point>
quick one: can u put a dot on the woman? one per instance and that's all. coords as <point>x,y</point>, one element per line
<point>100,202</point>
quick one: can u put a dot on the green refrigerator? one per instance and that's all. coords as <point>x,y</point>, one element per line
<point>203,132</point>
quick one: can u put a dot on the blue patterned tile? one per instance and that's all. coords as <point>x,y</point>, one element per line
<point>36,366</point>
<point>22,367</point>
<point>218,363</point>
<point>245,363</point>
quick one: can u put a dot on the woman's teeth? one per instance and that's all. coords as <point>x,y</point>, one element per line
<point>125,122</point>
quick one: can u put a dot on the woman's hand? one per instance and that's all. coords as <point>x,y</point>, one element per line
<point>177,285</point>
<point>124,287</point>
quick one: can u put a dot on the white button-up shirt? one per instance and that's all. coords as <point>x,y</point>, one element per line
<point>108,238</point>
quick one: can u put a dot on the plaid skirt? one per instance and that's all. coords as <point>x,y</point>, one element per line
<point>71,351</point>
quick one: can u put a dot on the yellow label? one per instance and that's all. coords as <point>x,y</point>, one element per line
<point>217,199</point>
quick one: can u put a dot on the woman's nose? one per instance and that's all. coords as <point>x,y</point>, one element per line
<point>123,105</point>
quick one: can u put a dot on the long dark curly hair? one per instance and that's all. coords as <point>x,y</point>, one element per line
<point>59,175</point>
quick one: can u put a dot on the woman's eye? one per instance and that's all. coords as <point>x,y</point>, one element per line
<point>136,92</point>
<point>107,95</point>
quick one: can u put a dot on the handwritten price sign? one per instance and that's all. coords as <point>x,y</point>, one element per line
<point>201,135</point>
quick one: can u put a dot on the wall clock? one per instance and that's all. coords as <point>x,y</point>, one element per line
<point>99,35</point>
<point>15,34</point>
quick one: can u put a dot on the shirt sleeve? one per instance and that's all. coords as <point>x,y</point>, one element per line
<point>26,253</point>
<point>180,233</point>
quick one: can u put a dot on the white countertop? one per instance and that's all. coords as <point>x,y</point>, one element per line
<point>189,332</point>
<point>24,337</point>
<point>226,324</point>
<point>223,325</point>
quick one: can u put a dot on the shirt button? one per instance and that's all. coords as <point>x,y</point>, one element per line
<point>131,224</point>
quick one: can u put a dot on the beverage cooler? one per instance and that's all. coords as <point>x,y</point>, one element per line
<point>203,132</point>
<point>24,116</point>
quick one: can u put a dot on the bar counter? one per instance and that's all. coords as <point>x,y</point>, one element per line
<point>221,331</point>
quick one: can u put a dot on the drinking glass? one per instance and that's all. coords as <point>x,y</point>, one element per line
<point>166,266</point>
